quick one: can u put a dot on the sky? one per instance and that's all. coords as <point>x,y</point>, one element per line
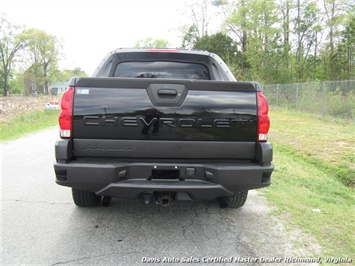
<point>89,29</point>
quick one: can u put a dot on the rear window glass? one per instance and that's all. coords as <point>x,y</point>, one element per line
<point>169,70</point>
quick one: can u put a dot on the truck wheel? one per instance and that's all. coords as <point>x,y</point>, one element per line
<point>238,199</point>
<point>83,198</point>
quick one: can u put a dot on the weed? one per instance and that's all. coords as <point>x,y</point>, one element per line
<point>27,123</point>
<point>314,178</point>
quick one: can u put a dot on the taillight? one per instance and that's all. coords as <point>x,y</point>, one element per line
<point>263,118</point>
<point>66,114</point>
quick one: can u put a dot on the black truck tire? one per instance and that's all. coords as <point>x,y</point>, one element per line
<point>238,199</point>
<point>83,198</point>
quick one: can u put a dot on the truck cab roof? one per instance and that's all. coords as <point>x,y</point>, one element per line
<point>217,68</point>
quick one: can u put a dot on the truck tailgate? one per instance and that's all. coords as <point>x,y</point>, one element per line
<point>150,118</point>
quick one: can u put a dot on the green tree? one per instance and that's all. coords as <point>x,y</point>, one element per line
<point>335,11</point>
<point>224,46</point>
<point>43,52</point>
<point>17,83</point>
<point>199,14</point>
<point>348,42</point>
<point>283,56</point>
<point>307,29</point>
<point>281,41</point>
<point>66,74</point>
<point>152,43</point>
<point>189,37</point>
<point>236,23</point>
<point>344,55</point>
<point>11,42</point>
<point>218,43</point>
<point>254,25</point>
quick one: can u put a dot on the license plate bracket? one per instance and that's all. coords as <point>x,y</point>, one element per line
<point>165,174</point>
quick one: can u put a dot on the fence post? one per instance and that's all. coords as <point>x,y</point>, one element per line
<point>277,95</point>
<point>297,94</point>
<point>323,99</point>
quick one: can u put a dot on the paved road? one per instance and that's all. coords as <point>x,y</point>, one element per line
<point>41,225</point>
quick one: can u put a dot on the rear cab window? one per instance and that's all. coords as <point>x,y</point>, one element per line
<point>161,70</point>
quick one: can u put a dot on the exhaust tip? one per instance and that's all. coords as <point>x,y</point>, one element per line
<point>223,204</point>
<point>106,201</point>
<point>147,198</point>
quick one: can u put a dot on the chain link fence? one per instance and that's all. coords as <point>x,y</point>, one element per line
<point>328,98</point>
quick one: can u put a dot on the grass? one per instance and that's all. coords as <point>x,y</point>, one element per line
<point>327,143</point>
<point>26,123</point>
<point>314,178</point>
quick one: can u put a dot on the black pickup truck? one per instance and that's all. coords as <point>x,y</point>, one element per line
<point>163,125</point>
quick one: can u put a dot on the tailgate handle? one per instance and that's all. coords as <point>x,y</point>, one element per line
<point>168,92</point>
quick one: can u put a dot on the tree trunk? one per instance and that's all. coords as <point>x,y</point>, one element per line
<point>6,88</point>
<point>244,36</point>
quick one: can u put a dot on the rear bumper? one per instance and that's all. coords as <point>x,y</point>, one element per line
<point>196,189</point>
<point>201,181</point>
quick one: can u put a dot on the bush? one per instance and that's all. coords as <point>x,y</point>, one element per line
<point>341,105</point>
